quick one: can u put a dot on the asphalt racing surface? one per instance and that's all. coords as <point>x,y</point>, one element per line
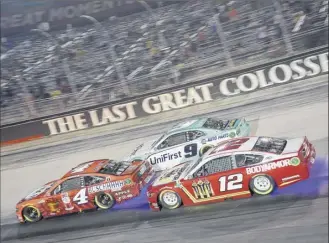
<point>298,213</point>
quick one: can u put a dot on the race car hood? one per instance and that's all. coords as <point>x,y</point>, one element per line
<point>170,175</point>
<point>38,193</point>
<point>143,150</point>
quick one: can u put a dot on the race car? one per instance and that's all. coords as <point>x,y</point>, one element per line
<point>188,140</point>
<point>234,169</point>
<point>97,184</point>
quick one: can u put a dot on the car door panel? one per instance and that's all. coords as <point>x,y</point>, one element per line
<point>169,157</point>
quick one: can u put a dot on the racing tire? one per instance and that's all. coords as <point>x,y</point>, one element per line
<point>169,199</point>
<point>262,185</point>
<point>31,214</point>
<point>204,149</point>
<point>104,200</point>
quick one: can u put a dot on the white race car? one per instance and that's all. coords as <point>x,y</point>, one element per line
<point>188,140</point>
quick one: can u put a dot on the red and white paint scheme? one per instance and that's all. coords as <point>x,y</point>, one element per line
<point>234,169</point>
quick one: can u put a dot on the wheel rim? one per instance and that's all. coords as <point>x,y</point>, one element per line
<point>105,200</point>
<point>31,214</point>
<point>262,183</point>
<point>170,198</point>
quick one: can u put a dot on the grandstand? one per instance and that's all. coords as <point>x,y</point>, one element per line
<point>75,68</point>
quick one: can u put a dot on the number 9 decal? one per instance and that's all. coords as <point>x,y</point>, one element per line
<point>191,150</point>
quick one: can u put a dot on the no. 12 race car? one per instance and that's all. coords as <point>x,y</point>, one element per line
<point>188,140</point>
<point>91,185</point>
<point>234,169</point>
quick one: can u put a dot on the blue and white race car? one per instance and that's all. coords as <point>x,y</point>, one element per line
<point>188,141</point>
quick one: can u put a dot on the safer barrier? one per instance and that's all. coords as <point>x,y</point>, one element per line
<point>248,80</point>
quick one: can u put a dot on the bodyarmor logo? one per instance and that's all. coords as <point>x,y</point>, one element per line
<point>202,189</point>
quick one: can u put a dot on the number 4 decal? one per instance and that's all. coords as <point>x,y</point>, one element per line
<point>81,197</point>
<point>231,182</point>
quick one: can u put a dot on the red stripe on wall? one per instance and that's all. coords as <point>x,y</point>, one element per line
<point>21,140</point>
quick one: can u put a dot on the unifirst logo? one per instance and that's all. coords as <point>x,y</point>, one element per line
<point>165,157</point>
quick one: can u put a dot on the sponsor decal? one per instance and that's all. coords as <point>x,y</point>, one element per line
<point>164,157</point>
<point>122,193</point>
<point>128,181</point>
<point>232,134</point>
<point>113,186</point>
<point>202,189</point>
<point>290,177</point>
<point>295,161</point>
<point>53,207</point>
<point>214,138</point>
<point>67,201</point>
<point>273,165</point>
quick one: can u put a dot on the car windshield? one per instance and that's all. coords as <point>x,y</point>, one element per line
<point>196,163</point>
<point>114,167</point>
<point>158,140</point>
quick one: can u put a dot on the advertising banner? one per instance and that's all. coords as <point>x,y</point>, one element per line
<point>18,16</point>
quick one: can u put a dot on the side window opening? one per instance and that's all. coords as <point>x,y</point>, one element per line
<point>243,160</point>
<point>217,165</point>
<point>92,180</point>
<point>173,140</point>
<point>68,185</point>
<point>192,135</point>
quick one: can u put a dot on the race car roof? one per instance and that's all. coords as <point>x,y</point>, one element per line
<point>87,167</point>
<point>188,124</point>
<point>204,123</point>
<point>248,144</point>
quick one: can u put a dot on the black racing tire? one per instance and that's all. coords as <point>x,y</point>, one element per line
<point>262,185</point>
<point>169,199</point>
<point>31,214</point>
<point>104,200</point>
<point>204,149</point>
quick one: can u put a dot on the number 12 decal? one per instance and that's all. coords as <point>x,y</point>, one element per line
<point>231,182</point>
<point>191,150</point>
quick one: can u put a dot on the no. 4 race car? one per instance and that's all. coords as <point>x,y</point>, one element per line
<point>91,185</point>
<point>188,140</point>
<point>237,168</point>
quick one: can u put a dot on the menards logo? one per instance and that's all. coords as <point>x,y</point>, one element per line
<point>273,165</point>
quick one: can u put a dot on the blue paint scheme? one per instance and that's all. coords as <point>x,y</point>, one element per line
<point>317,182</point>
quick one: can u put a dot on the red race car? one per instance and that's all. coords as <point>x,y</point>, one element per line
<point>95,184</point>
<point>234,169</point>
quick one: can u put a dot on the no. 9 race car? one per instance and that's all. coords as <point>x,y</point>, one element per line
<point>188,141</point>
<point>237,168</point>
<point>91,185</point>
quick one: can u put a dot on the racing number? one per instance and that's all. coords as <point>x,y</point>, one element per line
<point>191,150</point>
<point>231,182</point>
<point>81,197</point>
